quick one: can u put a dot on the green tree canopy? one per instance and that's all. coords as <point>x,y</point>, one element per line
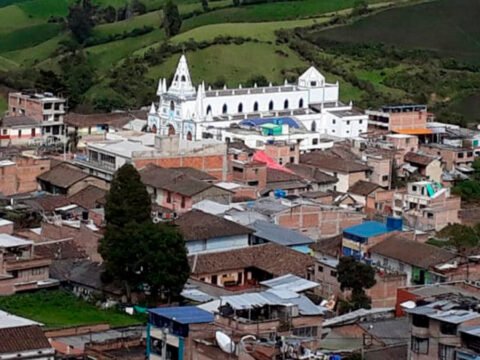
<point>128,199</point>
<point>140,254</point>
<point>172,21</point>
<point>356,276</point>
<point>80,19</point>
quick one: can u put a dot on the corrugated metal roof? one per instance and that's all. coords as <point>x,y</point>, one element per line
<point>272,298</point>
<point>184,314</point>
<point>455,316</point>
<point>280,235</point>
<point>290,282</point>
<point>196,295</point>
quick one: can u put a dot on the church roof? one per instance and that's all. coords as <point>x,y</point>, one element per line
<point>182,82</point>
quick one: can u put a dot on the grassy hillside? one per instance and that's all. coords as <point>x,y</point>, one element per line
<point>449,28</point>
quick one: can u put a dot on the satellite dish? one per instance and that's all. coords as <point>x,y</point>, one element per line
<point>225,342</point>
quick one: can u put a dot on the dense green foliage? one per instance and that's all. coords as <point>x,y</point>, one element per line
<point>80,19</point>
<point>142,255</point>
<point>57,309</point>
<point>469,190</point>
<point>172,22</point>
<point>355,276</point>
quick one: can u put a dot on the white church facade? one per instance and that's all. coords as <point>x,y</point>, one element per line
<point>196,113</point>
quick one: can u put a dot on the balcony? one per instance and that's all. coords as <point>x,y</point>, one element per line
<point>12,265</point>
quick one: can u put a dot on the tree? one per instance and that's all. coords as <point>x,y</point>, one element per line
<point>205,5</point>
<point>260,80</point>
<point>356,276</point>
<point>236,2</point>
<point>140,254</point>
<point>80,20</point>
<point>172,22</point>
<point>78,75</point>
<point>109,14</point>
<point>128,199</point>
<point>138,7</point>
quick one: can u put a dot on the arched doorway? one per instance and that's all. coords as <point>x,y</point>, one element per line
<point>189,136</point>
<point>224,109</point>
<point>270,105</point>
<point>285,104</point>
<point>171,130</point>
<point>240,108</point>
<point>154,129</point>
<point>300,103</point>
<point>209,109</point>
<point>255,106</point>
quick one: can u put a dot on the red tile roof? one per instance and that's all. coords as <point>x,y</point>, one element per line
<point>22,338</point>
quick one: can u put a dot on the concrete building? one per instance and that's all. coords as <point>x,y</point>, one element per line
<point>403,119</point>
<point>20,269</point>
<point>19,130</point>
<point>427,206</point>
<point>46,109</point>
<point>359,239</point>
<point>426,166</point>
<point>19,174</point>
<point>453,157</point>
<point>198,113</point>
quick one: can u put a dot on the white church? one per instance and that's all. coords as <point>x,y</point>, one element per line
<point>196,113</point>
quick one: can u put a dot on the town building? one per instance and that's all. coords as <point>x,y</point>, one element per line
<point>176,190</point>
<point>46,109</point>
<point>67,179</point>
<point>423,165</point>
<point>421,262</point>
<point>18,175</point>
<point>199,113</point>
<point>426,206</point>
<point>348,172</point>
<point>20,268</point>
<point>206,232</point>
<point>19,130</point>
<point>358,239</point>
<point>23,339</point>
<point>403,119</point>
<point>453,157</point>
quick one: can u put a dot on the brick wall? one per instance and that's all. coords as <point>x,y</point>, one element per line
<point>22,177</point>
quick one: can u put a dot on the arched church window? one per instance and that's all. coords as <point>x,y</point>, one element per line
<point>285,104</point>
<point>255,106</point>
<point>183,78</point>
<point>314,126</point>
<point>172,105</point>
<point>240,108</point>
<point>300,103</point>
<point>209,109</point>
<point>189,136</point>
<point>224,109</point>
<point>270,105</point>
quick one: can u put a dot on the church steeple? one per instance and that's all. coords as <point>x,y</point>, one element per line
<point>182,83</point>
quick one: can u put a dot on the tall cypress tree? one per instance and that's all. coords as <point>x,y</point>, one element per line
<point>136,251</point>
<point>172,21</point>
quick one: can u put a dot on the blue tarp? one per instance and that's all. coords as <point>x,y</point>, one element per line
<point>184,314</point>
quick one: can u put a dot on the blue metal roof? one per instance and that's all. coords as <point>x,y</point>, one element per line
<point>184,314</point>
<point>277,121</point>
<point>367,229</point>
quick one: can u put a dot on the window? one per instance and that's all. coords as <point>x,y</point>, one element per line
<point>460,155</point>
<point>469,154</point>
<point>172,105</point>
<point>309,331</point>
<point>47,106</point>
<point>292,159</point>
<point>385,178</point>
<point>5,131</point>
<point>429,215</point>
<point>315,141</point>
<point>420,321</point>
<point>209,109</point>
<point>19,133</point>
<point>334,121</point>
<point>414,188</point>
<point>255,106</point>
<point>224,109</point>
<point>320,268</point>
<point>183,202</point>
<point>360,122</point>
<point>240,108</point>
<point>183,78</point>
<point>446,352</point>
<point>348,122</point>
<point>300,103</point>
<point>419,345</point>
<point>314,126</point>
<point>214,279</point>
<point>448,329</point>
<point>313,83</point>
<point>280,161</point>
<point>270,105</point>
<point>169,197</point>
<point>285,104</point>
<point>333,273</point>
